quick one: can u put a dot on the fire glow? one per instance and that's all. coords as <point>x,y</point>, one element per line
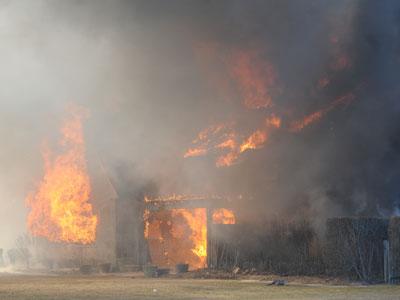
<point>225,140</point>
<point>59,208</point>
<point>254,77</point>
<point>251,78</point>
<point>177,236</point>
<point>223,216</point>
<point>317,115</point>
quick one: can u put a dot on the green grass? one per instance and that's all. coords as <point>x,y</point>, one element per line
<point>118,287</point>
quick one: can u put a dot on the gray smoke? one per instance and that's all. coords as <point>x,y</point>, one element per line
<point>133,65</point>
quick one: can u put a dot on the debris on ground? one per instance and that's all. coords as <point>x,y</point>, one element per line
<point>279,282</point>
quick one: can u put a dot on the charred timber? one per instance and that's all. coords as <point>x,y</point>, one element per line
<point>190,203</point>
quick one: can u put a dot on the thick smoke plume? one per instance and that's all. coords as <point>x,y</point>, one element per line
<point>155,73</point>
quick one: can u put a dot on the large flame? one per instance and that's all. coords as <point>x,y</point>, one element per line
<point>229,145</point>
<point>197,221</point>
<point>246,73</point>
<point>177,236</point>
<point>60,208</point>
<point>225,141</point>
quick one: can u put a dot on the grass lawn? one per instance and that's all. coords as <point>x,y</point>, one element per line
<point>18,287</point>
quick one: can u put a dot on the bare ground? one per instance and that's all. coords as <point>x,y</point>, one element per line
<point>18,287</point>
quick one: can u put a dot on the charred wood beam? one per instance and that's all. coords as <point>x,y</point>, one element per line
<point>192,203</point>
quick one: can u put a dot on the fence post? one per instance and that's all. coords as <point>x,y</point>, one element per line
<point>386,261</point>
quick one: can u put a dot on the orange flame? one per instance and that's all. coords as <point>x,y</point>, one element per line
<point>218,138</point>
<point>254,141</point>
<point>223,216</point>
<point>221,138</point>
<point>193,152</point>
<point>204,138</point>
<point>177,236</point>
<point>311,118</point>
<point>181,197</point>
<point>196,219</point>
<point>317,115</point>
<point>146,216</point>
<point>227,159</point>
<point>60,208</point>
<point>230,143</point>
<point>255,78</point>
<point>273,121</point>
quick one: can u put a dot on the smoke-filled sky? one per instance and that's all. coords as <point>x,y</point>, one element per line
<point>153,74</point>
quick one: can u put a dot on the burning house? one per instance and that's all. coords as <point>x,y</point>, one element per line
<point>79,220</point>
<point>280,103</point>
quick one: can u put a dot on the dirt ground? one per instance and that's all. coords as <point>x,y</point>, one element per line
<point>18,287</point>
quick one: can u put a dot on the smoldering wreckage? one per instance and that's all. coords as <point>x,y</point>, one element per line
<point>83,217</point>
